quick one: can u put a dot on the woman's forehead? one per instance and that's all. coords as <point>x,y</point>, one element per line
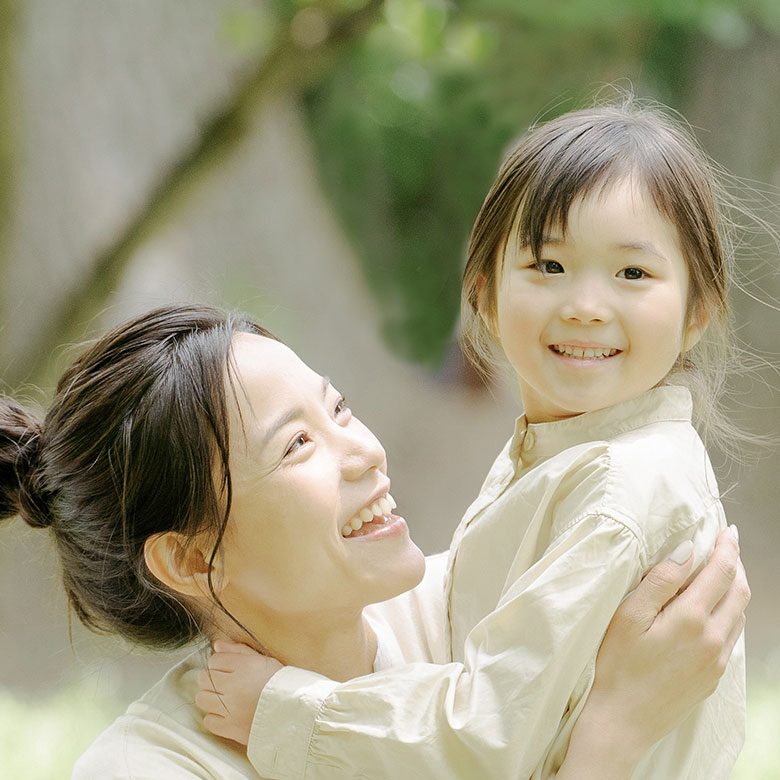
<point>269,375</point>
<point>259,357</point>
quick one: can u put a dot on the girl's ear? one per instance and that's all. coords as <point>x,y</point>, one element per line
<point>178,562</point>
<point>694,330</point>
<point>482,304</point>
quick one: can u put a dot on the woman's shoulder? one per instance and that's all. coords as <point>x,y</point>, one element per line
<point>161,735</point>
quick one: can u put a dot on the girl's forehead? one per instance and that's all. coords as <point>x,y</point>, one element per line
<point>624,196</point>
<point>621,214</point>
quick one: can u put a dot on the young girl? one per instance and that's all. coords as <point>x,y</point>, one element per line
<point>597,263</point>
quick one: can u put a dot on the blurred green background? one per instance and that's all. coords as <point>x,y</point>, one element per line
<point>319,165</point>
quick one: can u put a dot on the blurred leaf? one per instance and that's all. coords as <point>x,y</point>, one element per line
<point>247,29</point>
<point>726,25</point>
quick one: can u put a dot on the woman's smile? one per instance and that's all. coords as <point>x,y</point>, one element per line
<point>375,513</point>
<point>310,491</point>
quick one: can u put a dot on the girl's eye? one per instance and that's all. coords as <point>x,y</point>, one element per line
<point>550,267</point>
<point>341,406</point>
<point>632,273</point>
<point>298,442</point>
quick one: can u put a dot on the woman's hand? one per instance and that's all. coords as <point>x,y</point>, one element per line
<point>230,688</point>
<point>662,654</point>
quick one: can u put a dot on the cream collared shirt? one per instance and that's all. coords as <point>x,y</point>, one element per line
<point>570,516</point>
<point>161,736</point>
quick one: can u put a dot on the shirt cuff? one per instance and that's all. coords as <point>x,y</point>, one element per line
<point>284,721</point>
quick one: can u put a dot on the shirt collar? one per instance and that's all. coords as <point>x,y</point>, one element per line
<point>536,440</point>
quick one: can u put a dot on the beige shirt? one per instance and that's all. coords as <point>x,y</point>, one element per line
<point>570,516</point>
<point>161,736</point>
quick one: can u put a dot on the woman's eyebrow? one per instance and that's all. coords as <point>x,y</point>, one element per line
<point>290,415</point>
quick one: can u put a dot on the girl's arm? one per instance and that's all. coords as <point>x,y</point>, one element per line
<point>655,664</point>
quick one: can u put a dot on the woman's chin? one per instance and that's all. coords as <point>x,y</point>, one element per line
<point>400,573</point>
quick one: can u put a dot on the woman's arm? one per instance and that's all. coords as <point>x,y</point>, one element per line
<point>655,664</point>
<point>662,655</point>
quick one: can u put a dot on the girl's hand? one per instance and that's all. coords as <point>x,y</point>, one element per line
<point>230,688</point>
<point>664,652</point>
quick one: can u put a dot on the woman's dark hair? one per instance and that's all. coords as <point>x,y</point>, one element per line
<point>135,443</point>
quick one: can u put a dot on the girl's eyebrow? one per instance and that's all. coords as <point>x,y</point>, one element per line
<point>641,246</point>
<point>546,241</point>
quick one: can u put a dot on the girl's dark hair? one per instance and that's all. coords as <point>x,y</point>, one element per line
<point>582,153</point>
<point>135,443</point>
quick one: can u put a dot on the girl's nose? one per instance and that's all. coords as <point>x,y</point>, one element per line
<point>362,451</point>
<point>587,303</point>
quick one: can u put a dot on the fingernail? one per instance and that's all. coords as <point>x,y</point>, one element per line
<point>734,532</point>
<point>682,552</point>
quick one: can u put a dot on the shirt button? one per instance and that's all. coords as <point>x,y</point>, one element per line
<point>529,441</point>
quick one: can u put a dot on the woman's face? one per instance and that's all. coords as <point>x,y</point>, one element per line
<point>302,468</point>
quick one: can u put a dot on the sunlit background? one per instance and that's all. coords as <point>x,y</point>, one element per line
<point>319,166</point>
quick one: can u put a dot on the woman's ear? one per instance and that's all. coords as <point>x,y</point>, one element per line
<point>178,562</point>
<point>694,330</point>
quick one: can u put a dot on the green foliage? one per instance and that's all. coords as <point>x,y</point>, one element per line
<point>410,127</point>
<point>758,760</point>
<point>411,122</point>
<point>41,739</point>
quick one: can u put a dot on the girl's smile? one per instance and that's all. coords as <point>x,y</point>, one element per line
<point>603,316</point>
<point>584,351</point>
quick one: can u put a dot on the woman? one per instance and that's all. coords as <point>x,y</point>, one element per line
<point>198,479</point>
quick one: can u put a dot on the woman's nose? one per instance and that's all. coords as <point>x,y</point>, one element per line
<point>362,451</point>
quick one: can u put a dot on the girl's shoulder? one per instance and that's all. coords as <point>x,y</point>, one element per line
<point>646,476</point>
<point>656,482</point>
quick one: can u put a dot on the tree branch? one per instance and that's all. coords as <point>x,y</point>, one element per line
<point>292,64</point>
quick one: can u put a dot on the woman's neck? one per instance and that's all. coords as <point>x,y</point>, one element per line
<point>339,647</point>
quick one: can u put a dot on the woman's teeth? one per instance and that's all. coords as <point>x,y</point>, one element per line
<point>381,508</point>
<point>585,353</point>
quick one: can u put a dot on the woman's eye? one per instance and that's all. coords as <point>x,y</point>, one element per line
<point>341,406</point>
<point>632,273</point>
<point>550,267</point>
<point>298,442</point>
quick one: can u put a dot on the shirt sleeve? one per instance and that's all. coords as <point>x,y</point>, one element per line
<point>494,715</point>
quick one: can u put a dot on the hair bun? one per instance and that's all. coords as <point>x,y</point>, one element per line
<point>20,461</point>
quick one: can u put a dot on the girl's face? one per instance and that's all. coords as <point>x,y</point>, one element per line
<point>603,318</point>
<point>303,466</point>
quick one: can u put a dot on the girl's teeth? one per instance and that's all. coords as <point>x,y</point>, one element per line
<point>583,353</point>
<point>376,509</point>
<point>346,530</point>
<point>356,522</point>
<point>365,515</point>
<point>391,501</point>
<point>384,505</point>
